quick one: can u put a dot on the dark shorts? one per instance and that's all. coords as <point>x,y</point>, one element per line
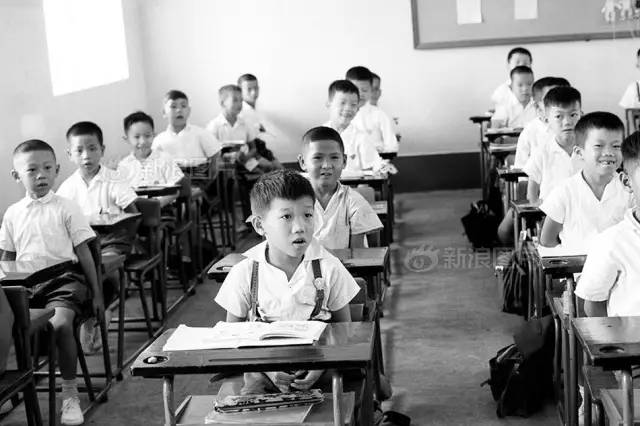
<point>67,291</point>
<point>117,242</point>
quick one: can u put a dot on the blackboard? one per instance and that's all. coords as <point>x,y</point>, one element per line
<point>435,24</point>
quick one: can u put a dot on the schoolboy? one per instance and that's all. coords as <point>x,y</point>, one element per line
<point>631,96</point>
<point>611,273</point>
<point>370,119</point>
<point>555,160</point>
<point>296,278</point>
<point>588,202</point>
<point>519,109</point>
<point>376,91</point>
<point>228,126</point>
<point>188,144</point>
<point>536,131</point>
<point>44,225</point>
<point>98,189</point>
<point>143,166</point>
<point>343,105</point>
<point>518,56</point>
<point>342,217</point>
<point>250,88</point>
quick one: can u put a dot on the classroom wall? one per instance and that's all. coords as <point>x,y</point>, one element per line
<point>296,48</point>
<point>27,107</point>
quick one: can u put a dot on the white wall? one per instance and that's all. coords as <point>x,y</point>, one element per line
<point>27,107</point>
<point>296,48</point>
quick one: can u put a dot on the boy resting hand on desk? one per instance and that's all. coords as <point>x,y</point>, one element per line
<point>44,225</point>
<point>290,276</point>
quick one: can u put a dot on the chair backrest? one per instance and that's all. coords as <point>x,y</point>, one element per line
<point>633,120</point>
<point>151,211</point>
<point>18,299</point>
<point>367,192</point>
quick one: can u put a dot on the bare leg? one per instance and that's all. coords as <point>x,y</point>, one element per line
<point>62,322</point>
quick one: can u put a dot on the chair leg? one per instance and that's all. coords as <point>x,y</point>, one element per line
<point>143,302</point>
<point>108,372</point>
<point>34,418</point>
<point>83,366</point>
<point>52,375</point>
<point>154,294</point>
<point>121,314</point>
<point>181,270</point>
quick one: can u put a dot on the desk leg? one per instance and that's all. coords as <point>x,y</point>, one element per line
<point>565,369</point>
<point>167,394</point>
<point>627,397</point>
<point>586,403</point>
<point>336,384</point>
<point>516,229</point>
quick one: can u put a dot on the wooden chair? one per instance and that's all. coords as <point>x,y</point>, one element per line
<point>22,379</point>
<point>180,227</point>
<point>632,116</point>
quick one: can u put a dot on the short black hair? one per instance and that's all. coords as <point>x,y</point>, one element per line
<point>83,128</point>
<point>521,69</point>
<point>359,73</point>
<point>562,96</point>
<point>597,120</point>
<point>519,51</point>
<point>33,145</point>
<point>343,86</point>
<point>561,81</point>
<point>375,76</point>
<point>136,117</point>
<point>174,95</point>
<point>322,133</point>
<point>638,52</point>
<point>284,183</point>
<point>631,151</point>
<point>246,77</point>
<point>544,82</point>
<point>227,90</point>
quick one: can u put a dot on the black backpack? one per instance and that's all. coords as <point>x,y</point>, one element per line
<point>521,374</point>
<point>481,225</point>
<point>515,279</point>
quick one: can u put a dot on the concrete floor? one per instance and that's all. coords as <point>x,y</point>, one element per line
<point>442,323</point>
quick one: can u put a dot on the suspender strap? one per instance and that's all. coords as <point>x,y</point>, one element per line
<point>317,278</point>
<point>253,312</point>
<point>638,91</point>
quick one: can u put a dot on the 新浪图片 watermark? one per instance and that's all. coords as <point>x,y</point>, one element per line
<point>426,257</point>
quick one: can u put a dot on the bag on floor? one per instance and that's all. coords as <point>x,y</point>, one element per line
<point>481,225</point>
<point>521,374</point>
<point>515,280</point>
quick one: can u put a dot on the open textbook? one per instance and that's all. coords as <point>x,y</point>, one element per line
<point>228,335</point>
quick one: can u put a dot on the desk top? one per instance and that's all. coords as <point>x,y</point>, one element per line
<point>352,179</point>
<point>157,190</point>
<point>479,119</point>
<point>495,133</point>
<point>388,155</point>
<point>612,343</point>
<point>362,260</point>
<point>563,265</point>
<point>510,175</point>
<point>342,345</point>
<point>30,273</point>
<point>524,207</point>
<point>107,220</point>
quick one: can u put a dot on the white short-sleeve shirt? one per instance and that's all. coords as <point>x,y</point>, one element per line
<point>361,153</point>
<point>573,204</point>
<point>347,213</point>
<point>631,96</point>
<point>535,133</point>
<point>514,114</point>
<point>190,146</point>
<point>107,192</point>
<point>612,272</point>
<point>502,94</point>
<point>223,131</point>
<point>282,299</point>
<point>374,122</point>
<point>550,165</point>
<point>157,169</point>
<point>45,228</point>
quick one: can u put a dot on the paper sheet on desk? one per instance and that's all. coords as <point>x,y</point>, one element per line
<point>293,415</point>
<point>560,251</point>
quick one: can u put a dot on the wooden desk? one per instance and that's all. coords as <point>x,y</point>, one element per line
<point>381,208</point>
<point>341,346</point>
<point>482,121</point>
<point>523,210</point>
<point>510,177</point>
<point>613,344</point>
<point>30,273</point>
<point>106,222</point>
<point>157,190</point>
<point>389,155</point>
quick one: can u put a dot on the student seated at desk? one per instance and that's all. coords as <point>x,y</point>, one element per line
<point>376,92</point>
<point>188,144</point>
<point>253,117</point>
<point>370,119</point>
<point>343,103</point>
<point>631,97</point>
<point>519,109</point>
<point>591,201</point>
<point>536,132</point>
<point>290,276</point>
<point>144,167</point>
<point>98,189</point>
<point>342,217</point>
<point>44,225</point>
<point>518,56</point>
<point>611,273</point>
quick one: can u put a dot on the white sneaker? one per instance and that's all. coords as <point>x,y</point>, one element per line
<point>71,414</point>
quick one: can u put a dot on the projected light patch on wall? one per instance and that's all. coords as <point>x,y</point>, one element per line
<point>86,43</point>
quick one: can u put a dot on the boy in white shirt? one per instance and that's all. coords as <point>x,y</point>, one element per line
<point>342,216</point>
<point>518,56</point>
<point>370,119</point>
<point>536,131</point>
<point>296,278</point>
<point>519,109</point>
<point>343,104</point>
<point>186,143</point>
<point>631,97</point>
<point>228,125</point>
<point>610,278</point>
<point>588,202</point>
<point>45,226</point>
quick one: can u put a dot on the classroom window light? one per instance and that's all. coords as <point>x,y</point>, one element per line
<point>86,43</point>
